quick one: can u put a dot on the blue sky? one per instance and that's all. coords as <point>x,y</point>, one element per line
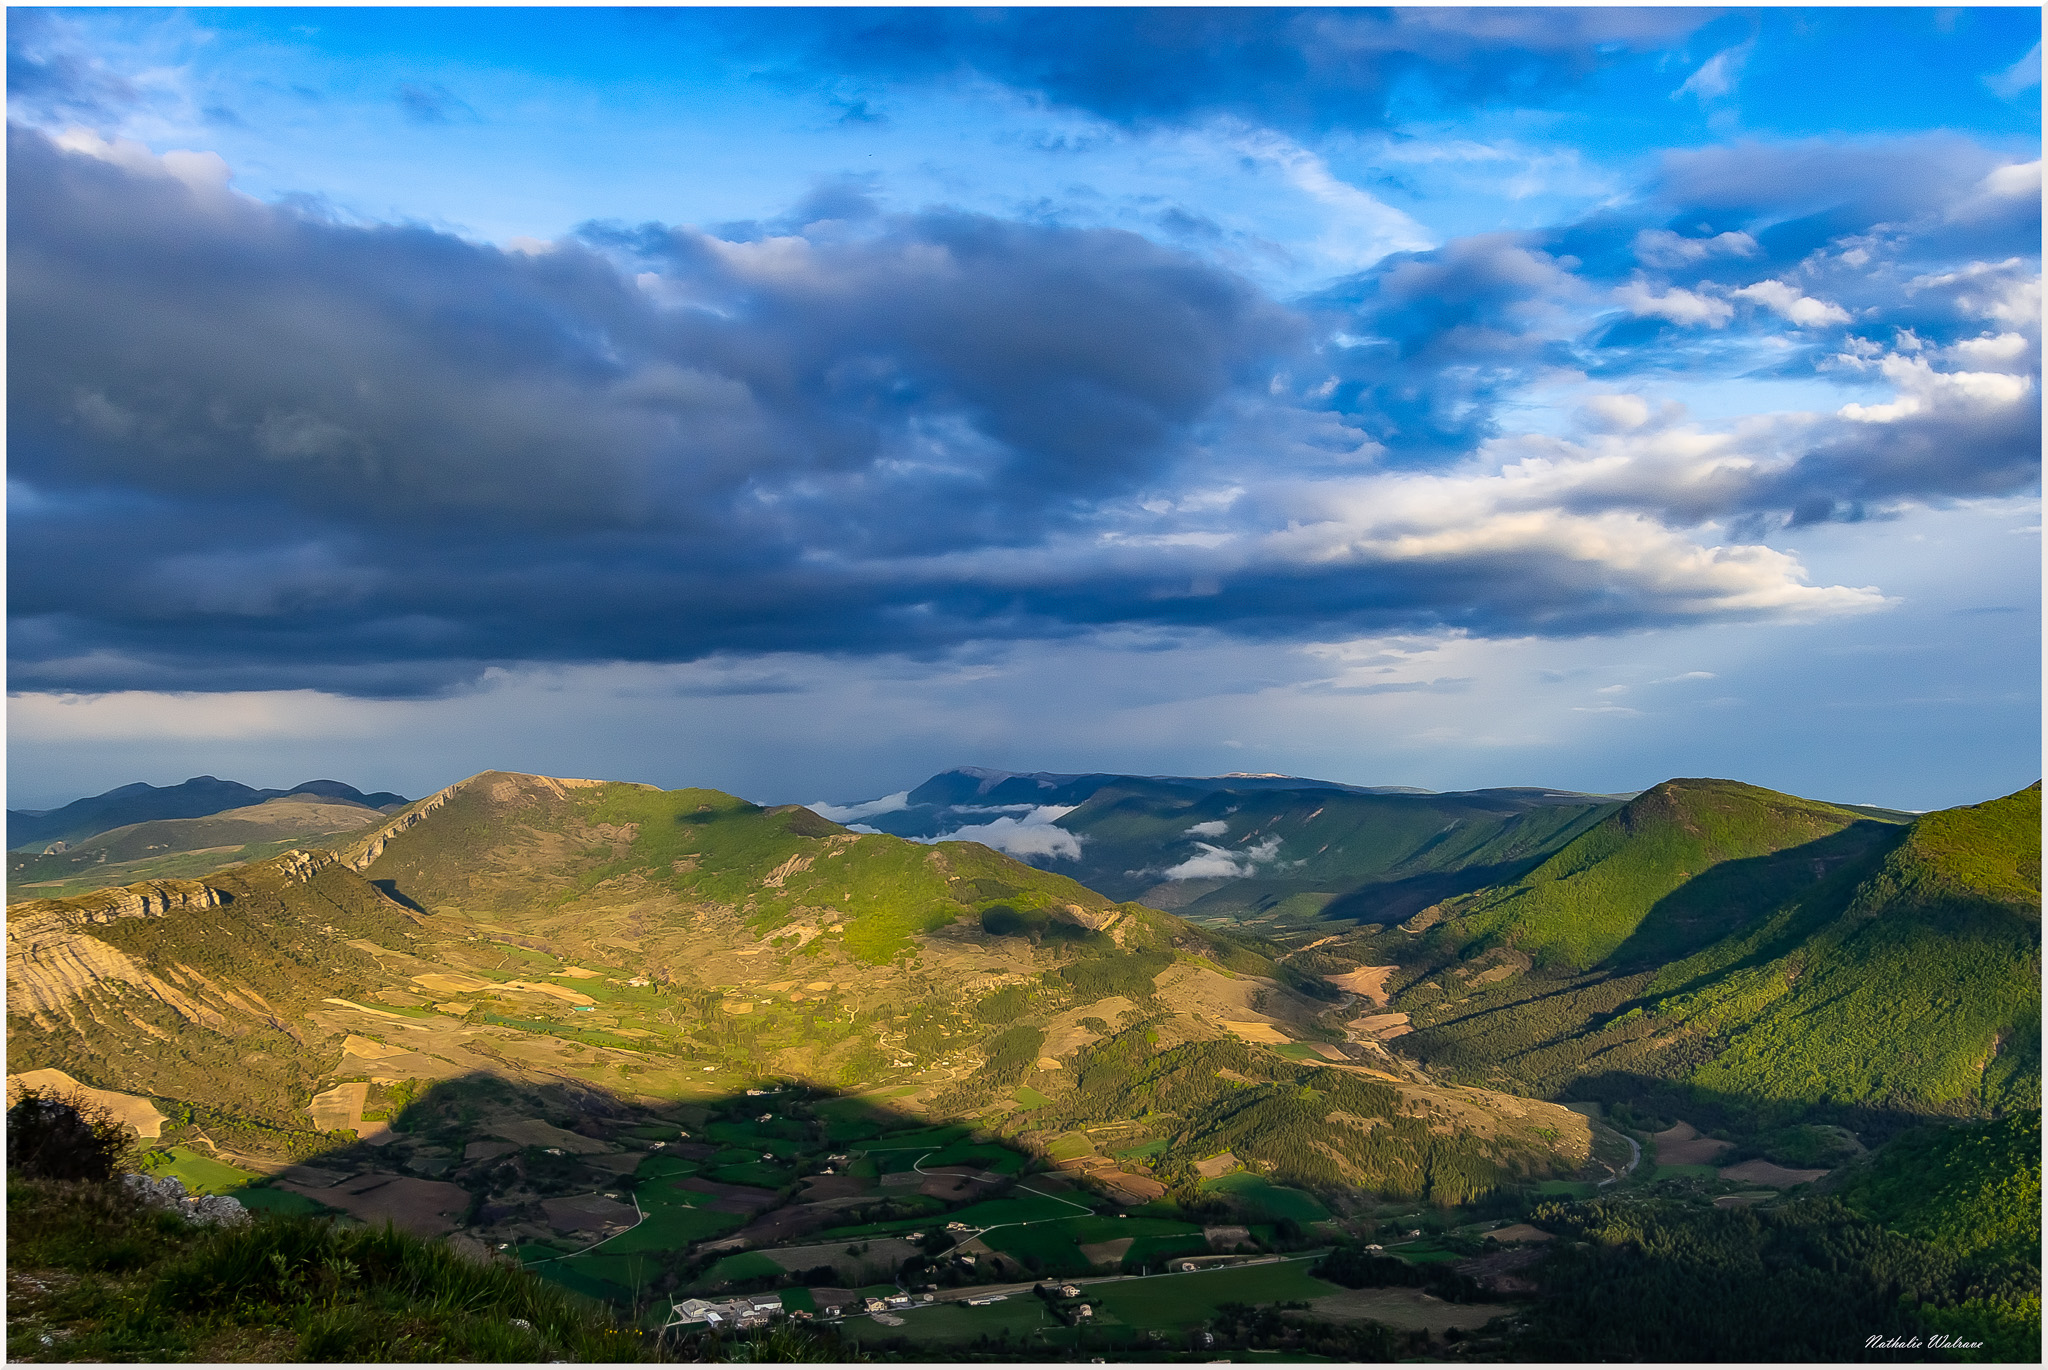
<point>800,402</point>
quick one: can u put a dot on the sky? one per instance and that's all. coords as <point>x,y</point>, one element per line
<point>801,402</point>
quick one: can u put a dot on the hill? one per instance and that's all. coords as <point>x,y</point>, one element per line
<point>1265,851</point>
<point>1765,953</point>
<point>665,948</point>
<point>139,803</point>
<point>179,848</point>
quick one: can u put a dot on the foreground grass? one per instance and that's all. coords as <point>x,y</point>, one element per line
<point>92,1278</point>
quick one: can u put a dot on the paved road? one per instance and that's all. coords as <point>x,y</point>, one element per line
<point>1635,1156</point>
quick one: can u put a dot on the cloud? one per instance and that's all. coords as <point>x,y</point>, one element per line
<point>1787,302</point>
<point>259,448</point>
<point>847,813</point>
<point>2024,74</point>
<point>431,102</point>
<point>1660,247</point>
<point>1717,75</point>
<point>1679,306</point>
<point>1214,863</point>
<point>1035,834</point>
<point>51,78</point>
<point>1278,68</point>
<point>1215,827</point>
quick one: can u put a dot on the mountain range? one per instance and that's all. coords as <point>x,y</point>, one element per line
<point>1222,1001</point>
<point>139,803</point>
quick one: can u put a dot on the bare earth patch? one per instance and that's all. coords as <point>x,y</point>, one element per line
<point>136,1112</point>
<point>1406,1309</point>
<point>1383,1026</point>
<point>1368,981</point>
<point>1216,1165</point>
<point>1264,1033</point>
<point>1764,1172</point>
<point>1519,1232</point>
<point>534,1132</point>
<point>1135,1188</point>
<point>1683,1145</point>
<point>587,1213</point>
<point>425,1208</point>
<point>1107,1253</point>
<point>342,1107</point>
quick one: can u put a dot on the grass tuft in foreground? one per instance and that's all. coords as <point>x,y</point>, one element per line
<point>93,1278</point>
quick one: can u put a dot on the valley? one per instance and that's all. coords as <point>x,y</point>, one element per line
<point>669,1047</point>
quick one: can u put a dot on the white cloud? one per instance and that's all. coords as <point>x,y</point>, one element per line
<point>2024,74</point>
<point>204,172</point>
<point>1717,75</point>
<point>1215,827</point>
<point>1032,835</point>
<point>1923,389</point>
<point>1679,306</point>
<point>1990,350</point>
<point>1790,303</point>
<point>2007,292</point>
<point>1660,247</point>
<point>1361,228</point>
<point>844,813</point>
<point>1215,863</point>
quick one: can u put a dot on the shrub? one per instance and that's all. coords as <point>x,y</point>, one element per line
<point>54,1136</point>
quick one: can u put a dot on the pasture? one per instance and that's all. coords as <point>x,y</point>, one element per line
<point>1262,1198</point>
<point>201,1174</point>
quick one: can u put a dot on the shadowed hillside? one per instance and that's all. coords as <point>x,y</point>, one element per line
<point>1863,968</point>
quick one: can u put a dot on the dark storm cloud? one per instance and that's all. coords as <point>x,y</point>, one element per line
<point>257,448</point>
<point>1425,342</point>
<point>1280,68</point>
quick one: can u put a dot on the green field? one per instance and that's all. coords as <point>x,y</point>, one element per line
<point>1022,1207</point>
<point>745,1265</point>
<point>1020,1315</point>
<point>672,1229</point>
<point>200,1173</point>
<point>1150,1251</point>
<point>1142,1151</point>
<point>1172,1301</point>
<point>1070,1146</point>
<point>1685,1172</point>
<point>1047,1244</point>
<point>999,1159</point>
<point>263,1199</point>
<point>933,1137</point>
<point>1027,1097</point>
<point>1265,1199</point>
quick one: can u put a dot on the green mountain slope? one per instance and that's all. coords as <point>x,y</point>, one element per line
<point>1335,853</point>
<point>1972,1188</point>
<point>1271,851</point>
<point>1873,967</point>
<point>1593,898</point>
